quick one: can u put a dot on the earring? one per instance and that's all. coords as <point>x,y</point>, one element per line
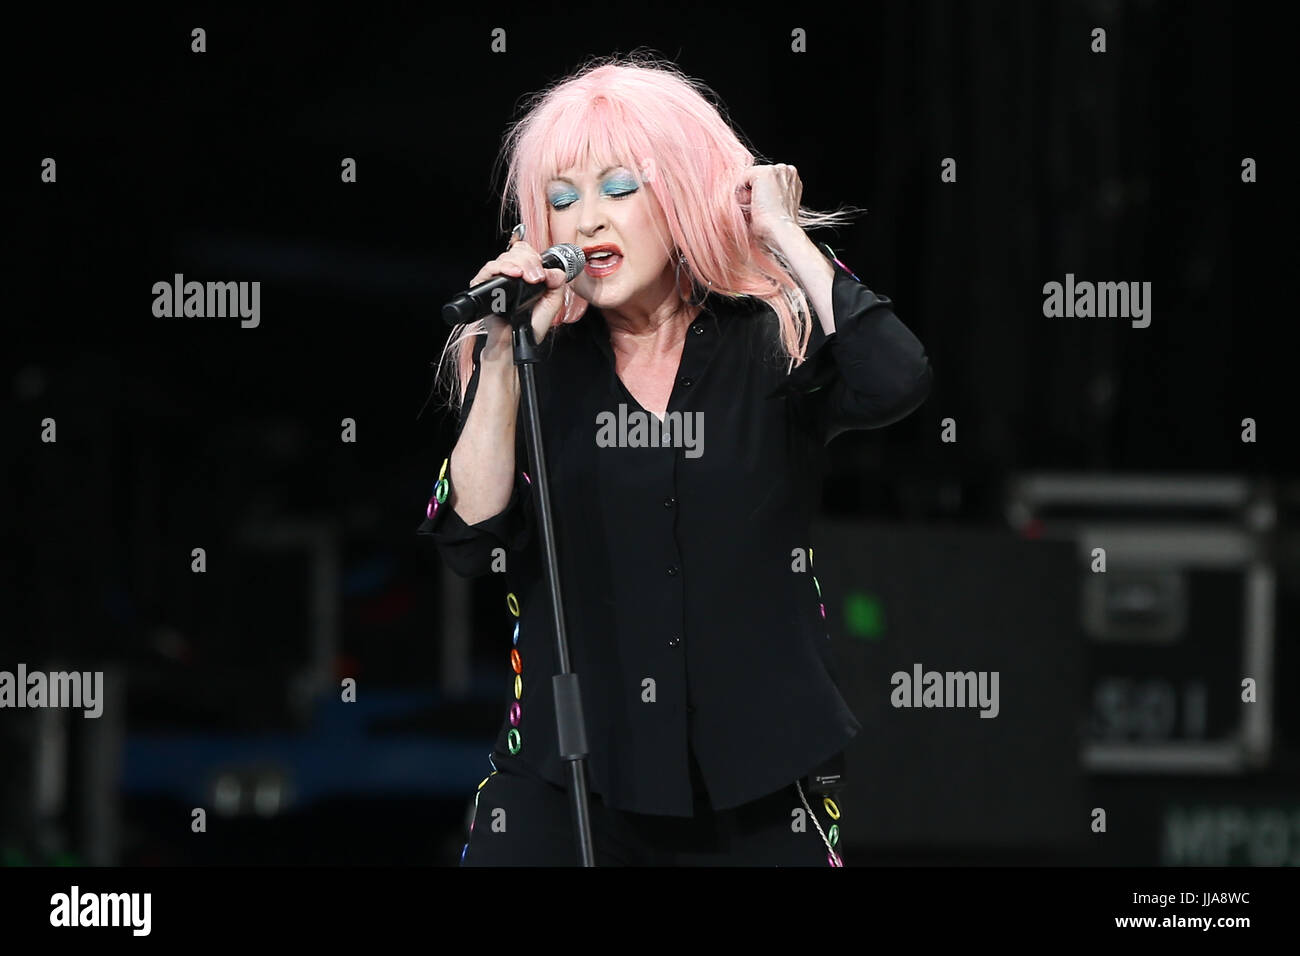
<point>695,298</point>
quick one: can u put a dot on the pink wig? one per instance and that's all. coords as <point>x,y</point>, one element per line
<point>648,116</point>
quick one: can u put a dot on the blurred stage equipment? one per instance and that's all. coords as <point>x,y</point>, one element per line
<point>945,781</point>
<point>1182,614</point>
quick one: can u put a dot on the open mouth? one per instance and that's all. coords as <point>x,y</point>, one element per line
<point>602,260</point>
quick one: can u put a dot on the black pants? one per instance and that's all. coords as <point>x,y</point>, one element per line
<point>523,820</point>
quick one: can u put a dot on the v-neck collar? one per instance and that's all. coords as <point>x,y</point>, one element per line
<point>717,313</point>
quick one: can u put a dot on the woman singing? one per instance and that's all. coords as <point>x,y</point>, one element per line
<point>690,380</point>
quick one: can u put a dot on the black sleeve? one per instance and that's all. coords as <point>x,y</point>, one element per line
<point>466,548</point>
<point>870,372</point>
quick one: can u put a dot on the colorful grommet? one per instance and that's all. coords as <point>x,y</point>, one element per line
<point>515,661</point>
<point>833,858</point>
<point>462,852</point>
<point>817,586</point>
<point>834,834</point>
<point>485,780</point>
<point>810,557</point>
<point>516,637</point>
<point>439,491</point>
<point>512,602</point>
<point>519,686</point>
<point>514,740</point>
<point>832,810</point>
<point>822,607</point>
<point>526,478</point>
<point>515,712</point>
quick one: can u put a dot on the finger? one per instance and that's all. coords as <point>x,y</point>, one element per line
<point>516,257</point>
<point>497,267</point>
<point>529,260</point>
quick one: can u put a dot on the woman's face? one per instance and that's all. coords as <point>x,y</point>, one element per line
<point>597,207</point>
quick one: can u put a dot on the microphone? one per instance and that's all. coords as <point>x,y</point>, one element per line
<point>506,295</point>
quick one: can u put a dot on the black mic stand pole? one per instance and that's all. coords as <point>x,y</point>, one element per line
<point>572,730</point>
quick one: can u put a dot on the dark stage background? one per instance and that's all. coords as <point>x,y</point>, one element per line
<point>182,433</point>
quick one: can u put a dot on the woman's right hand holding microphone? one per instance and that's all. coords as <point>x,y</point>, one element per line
<point>524,261</point>
<point>483,461</point>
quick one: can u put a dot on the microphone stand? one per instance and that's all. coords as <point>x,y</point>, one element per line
<point>571,728</point>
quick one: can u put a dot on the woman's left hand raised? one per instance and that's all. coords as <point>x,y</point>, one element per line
<point>773,194</point>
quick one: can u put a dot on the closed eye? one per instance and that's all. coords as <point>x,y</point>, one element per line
<point>619,195</point>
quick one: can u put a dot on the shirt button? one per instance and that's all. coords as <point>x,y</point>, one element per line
<point>674,641</point>
<point>688,382</point>
<point>672,571</point>
<point>669,501</point>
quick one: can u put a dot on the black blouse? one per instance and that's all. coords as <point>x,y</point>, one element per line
<point>696,625</point>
